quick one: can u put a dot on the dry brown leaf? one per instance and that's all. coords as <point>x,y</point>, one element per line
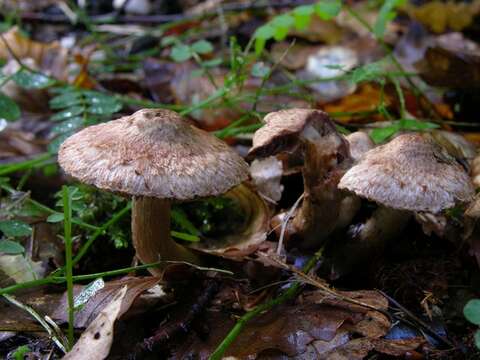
<point>440,16</point>
<point>304,330</point>
<point>95,342</point>
<point>83,317</point>
<point>366,98</point>
<point>50,58</point>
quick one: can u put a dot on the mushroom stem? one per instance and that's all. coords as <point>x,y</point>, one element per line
<point>151,234</point>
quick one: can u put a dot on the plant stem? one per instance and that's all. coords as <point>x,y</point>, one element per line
<point>61,279</point>
<point>67,213</point>
<point>242,322</point>
<point>100,230</point>
<point>28,164</point>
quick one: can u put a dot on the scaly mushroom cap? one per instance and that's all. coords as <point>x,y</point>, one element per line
<point>411,172</point>
<point>281,130</point>
<point>152,153</point>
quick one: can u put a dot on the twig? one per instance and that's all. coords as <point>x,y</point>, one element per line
<point>285,223</point>
<point>180,323</point>
<point>242,322</point>
<point>418,321</point>
<point>67,212</point>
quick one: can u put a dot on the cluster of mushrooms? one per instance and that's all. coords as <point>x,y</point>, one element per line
<point>157,158</point>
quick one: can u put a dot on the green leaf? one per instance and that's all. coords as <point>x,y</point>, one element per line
<point>265,32</point>
<point>11,247</point>
<point>303,16</point>
<point>55,143</point>
<point>101,104</point>
<point>66,100</point>
<point>212,63</point>
<point>328,9</point>
<point>379,135</point>
<point>68,125</point>
<point>68,113</point>
<point>15,228</point>
<point>20,352</point>
<point>471,311</point>
<point>261,35</point>
<point>185,237</point>
<point>168,40</point>
<point>202,47</point>
<point>477,339</point>
<point>386,14</point>
<point>32,80</point>
<point>55,218</point>
<point>181,53</point>
<point>416,125</point>
<point>260,70</point>
<point>282,25</point>
<point>371,72</point>
<point>9,109</point>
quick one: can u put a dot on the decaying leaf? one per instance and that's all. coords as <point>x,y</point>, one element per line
<point>19,268</point>
<point>317,327</point>
<point>50,58</point>
<point>97,339</point>
<point>96,304</point>
<point>440,16</point>
<point>451,67</point>
<point>245,240</point>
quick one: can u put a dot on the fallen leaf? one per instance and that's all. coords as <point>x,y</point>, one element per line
<point>97,339</point>
<point>135,286</point>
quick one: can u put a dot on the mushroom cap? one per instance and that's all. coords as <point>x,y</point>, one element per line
<point>411,172</point>
<point>152,153</point>
<point>281,130</point>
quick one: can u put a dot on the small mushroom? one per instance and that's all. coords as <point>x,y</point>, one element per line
<point>411,174</point>
<point>157,157</point>
<point>312,135</point>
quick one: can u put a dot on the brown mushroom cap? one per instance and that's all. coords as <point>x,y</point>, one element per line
<point>411,172</point>
<point>152,153</point>
<point>282,128</point>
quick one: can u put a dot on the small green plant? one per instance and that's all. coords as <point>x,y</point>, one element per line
<point>78,108</point>
<point>20,352</point>
<point>181,52</point>
<point>472,314</point>
<point>299,18</point>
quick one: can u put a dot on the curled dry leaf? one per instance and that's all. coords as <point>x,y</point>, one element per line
<point>247,239</point>
<point>97,339</point>
<point>325,156</point>
<point>50,58</point>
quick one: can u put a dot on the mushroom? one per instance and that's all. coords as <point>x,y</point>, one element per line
<point>157,157</point>
<point>312,135</point>
<point>411,174</point>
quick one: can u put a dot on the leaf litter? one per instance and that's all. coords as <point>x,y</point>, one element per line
<point>289,261</point>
